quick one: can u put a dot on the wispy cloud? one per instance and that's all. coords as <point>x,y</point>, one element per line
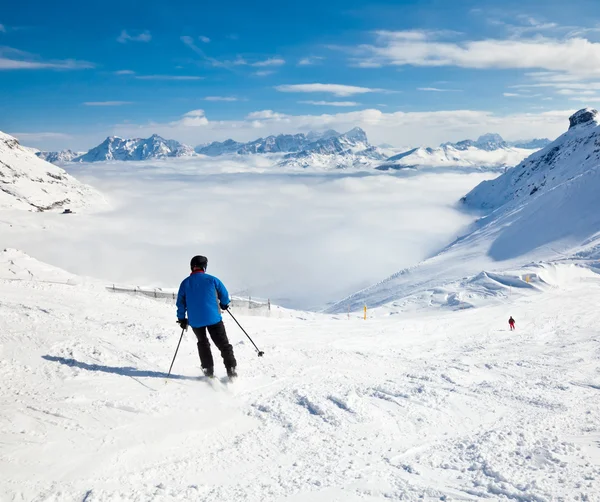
<point>220,98</point>
<point>263,73</point>
<point>125,72</point>
<point>270,62</point>
<point>436,89</point>
<point>107,103</point>
<point>310,60</point>
<point>574,56</point>
<point>204,39</point>
<point>572,92</point>
<point>2,28</point>
<point>330,103</point>
<point>14,59</point>
<point>239,61</point>
<point>335,89</point>
<point>125,37</point>
<point>38,136</point>
<point>520,95</point>
<point>168,77</point>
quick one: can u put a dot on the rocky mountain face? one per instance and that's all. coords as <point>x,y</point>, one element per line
<point>30,183</point>
<point>282,143</point>
<point>351,149</point>
<point>154,147</point>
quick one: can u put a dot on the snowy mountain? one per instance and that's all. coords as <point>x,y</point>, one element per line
<point>281,143</point>
<point>154,147</point>
<point>351,149</point>
<point>59,157</point>
<point>466,155</point>
<point>534,144</point>
<point>487,142</point>
<point>574,154</point>
<point>545,209</point>
<point>28,182</point>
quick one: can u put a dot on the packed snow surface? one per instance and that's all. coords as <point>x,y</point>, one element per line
<point>451,406</point>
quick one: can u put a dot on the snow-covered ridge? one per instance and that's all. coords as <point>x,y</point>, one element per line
<point>488,151</point>
<point>571,155</point>
<point>154,147</point>
<point>59,157</point>
<point>545,209</point>
<point>282,143</point>
<point>28,182</point>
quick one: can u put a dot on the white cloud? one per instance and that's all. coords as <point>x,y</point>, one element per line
<point>335,89</point>
<point>520,95</point>
<point>330,103</point>
<point>35,136</point>
<point>266,114</point>
<point>168,77</point>
<point>435,89</point>
<point>204,39</point>
<point>270,62</point>
<point>124,37</point>
<point>220,98</point>
<point>310,60</point>
<point>14,59</point>
<point>195,118</point>
<point>574,56</point>
<point>107,103</point>
<point>263,73</point>
<point>588,99</point>
<point>572,92</point>
<point>2,28</point>
<point>125,72</point>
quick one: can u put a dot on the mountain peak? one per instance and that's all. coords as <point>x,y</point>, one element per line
<point>584,117</point>
<point>491,138</point>
<point>356,134</point>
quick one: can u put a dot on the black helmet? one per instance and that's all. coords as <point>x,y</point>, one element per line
<point>199,262</point>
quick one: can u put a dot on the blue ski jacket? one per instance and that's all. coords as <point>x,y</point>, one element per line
<point>200,295</point>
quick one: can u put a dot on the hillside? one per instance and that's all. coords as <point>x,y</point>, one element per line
<point>28,182</point>
<point>411,407</point>
<point>546,208</point>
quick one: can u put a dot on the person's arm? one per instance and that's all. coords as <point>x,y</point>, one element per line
<point>181,304</point>
<point>223,294</point>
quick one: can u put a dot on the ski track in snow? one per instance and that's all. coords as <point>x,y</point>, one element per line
<point>450,406</point>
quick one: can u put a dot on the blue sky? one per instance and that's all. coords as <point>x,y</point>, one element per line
<point>418,71</point>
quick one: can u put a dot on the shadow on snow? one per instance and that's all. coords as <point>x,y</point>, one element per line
<point>128,371</point>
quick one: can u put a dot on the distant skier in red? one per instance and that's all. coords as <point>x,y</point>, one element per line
<point>511,323</point>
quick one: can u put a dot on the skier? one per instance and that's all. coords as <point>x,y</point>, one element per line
<point>511,323</point>
<point>201,295</point>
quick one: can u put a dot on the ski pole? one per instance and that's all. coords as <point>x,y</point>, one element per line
<point>260,352</point>
<point>176,350</point>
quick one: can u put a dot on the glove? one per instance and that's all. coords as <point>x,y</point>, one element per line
<point>223,307</point>
<point>183,323</point>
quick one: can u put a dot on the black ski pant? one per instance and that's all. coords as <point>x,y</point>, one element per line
<point>219,337</point>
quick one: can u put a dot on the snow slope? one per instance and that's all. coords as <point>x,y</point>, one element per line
<point>412,407</point>
<point>547,208</point>
<point>154,147</point>
<point>27,182</point>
